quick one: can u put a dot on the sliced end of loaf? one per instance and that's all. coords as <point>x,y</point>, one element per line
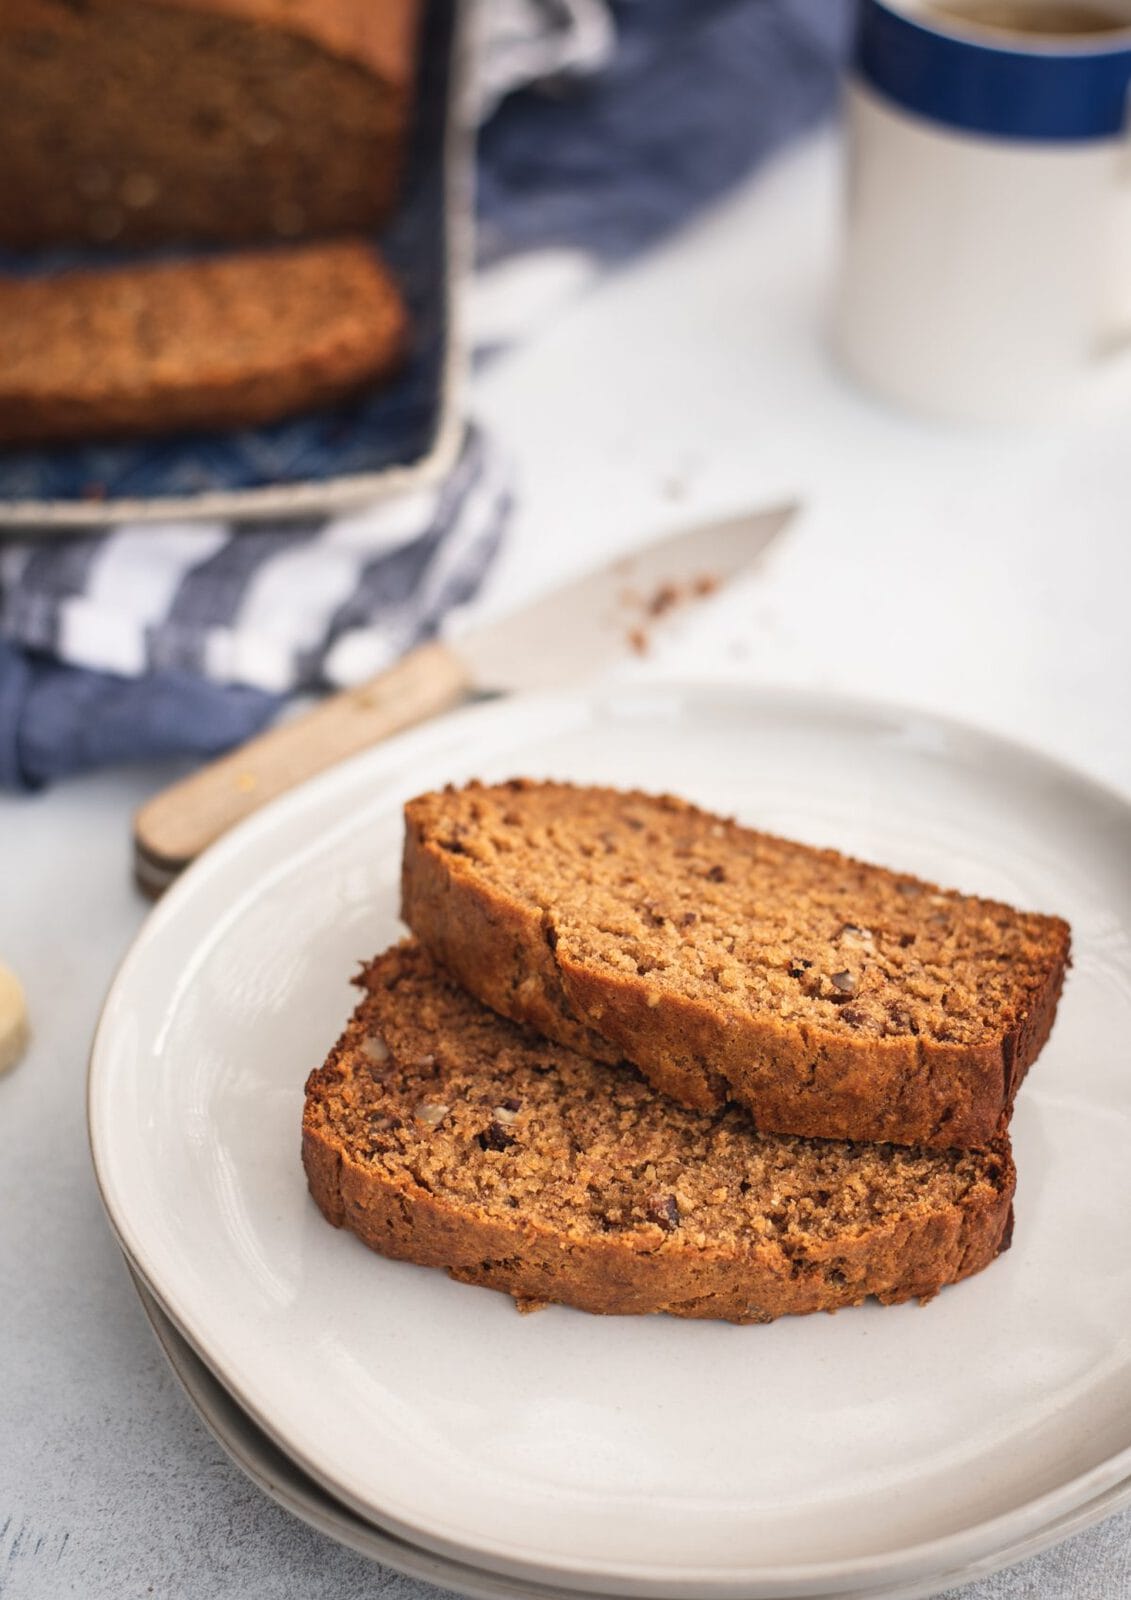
<point>139,122</point>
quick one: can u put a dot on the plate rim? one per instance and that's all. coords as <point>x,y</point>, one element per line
<point>390,1546</point>
<point>386,759</point>
<point>1111,1503</point>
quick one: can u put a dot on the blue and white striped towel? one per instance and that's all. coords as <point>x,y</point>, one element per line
<point>139,641</point>
<point>315,603</point>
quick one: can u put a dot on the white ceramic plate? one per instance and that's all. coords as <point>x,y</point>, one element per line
<point>277,1476</point>
<point>638,1456</point>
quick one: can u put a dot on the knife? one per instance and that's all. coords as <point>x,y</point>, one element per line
<point>569,634</point>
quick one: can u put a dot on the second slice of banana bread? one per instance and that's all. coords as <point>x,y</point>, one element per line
<point>442,1134</point>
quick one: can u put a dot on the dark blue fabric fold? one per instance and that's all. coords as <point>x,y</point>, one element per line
<point>698,93</point>
<point>56,720</point>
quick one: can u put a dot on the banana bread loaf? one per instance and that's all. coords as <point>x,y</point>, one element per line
<point>834,999</point>
<point>146,121</point>
<point>440,1133</point>
<point>225,342</point>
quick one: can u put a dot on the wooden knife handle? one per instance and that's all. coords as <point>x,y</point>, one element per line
<point>176,825</point>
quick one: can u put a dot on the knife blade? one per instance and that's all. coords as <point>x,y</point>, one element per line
<point>585,626</point>
<point>573,633</point>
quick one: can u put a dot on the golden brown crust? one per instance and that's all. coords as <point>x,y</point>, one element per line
<point>737,1276</point>
<point>226,342</point>
<point>794,1076</point>
<point>380,35</point>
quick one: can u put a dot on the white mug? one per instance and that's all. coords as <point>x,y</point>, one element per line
<point>986,271</point>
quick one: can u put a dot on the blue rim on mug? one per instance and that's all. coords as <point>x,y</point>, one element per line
<point>1073,89</point>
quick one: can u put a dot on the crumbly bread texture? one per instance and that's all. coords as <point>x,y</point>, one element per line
<point>229,341</point>
<point>832,998</point>
<point>149,121</point>
<point>440,1133</point>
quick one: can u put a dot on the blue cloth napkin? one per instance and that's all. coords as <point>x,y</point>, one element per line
<point>609,125</point>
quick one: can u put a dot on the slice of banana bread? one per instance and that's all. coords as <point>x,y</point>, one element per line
<point>834,999</point>
<point>148,121</point>
<point>224,342</point>
<point>440,1133</point>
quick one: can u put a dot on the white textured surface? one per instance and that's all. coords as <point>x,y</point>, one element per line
<point>982,574</point>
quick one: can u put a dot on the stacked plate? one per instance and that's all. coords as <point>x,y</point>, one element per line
<point>886,1451</point>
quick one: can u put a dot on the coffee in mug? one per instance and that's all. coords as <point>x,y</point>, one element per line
<point>1056,19</point>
